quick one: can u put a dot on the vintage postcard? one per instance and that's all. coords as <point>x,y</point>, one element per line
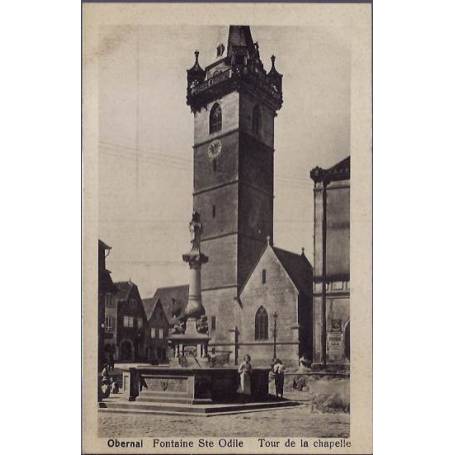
<point>227,228</point>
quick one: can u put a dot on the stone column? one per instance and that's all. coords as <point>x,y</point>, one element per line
<point>319,310</point>
<point>195,258</point>
<point>194,294</point>
<point>194,309</point>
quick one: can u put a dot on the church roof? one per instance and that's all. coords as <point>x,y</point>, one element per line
<point>339,171</point>
<point>297,266</point>
<point>173,300</point>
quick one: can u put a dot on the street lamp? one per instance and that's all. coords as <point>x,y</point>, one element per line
<point>275,317</point>
<point>235,331</point>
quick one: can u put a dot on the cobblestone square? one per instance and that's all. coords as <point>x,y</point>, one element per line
<point>294,422</point>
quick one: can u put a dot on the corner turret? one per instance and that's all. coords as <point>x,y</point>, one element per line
<point>274,76</point>
<point>195,75</point>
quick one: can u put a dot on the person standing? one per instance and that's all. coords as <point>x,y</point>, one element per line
<point>212,358</point>
<point>245,370</point>
<point>105,381</point>
<point>278,371</point>
<point>111,360</point>
<point>105,377</point>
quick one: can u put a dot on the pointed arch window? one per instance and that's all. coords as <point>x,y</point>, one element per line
<point>256,120</point>
<point>215,120</point>
<point>261,324</point>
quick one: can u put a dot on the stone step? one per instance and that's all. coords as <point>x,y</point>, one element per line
<point>164,395</point>
<point>119,405</point>
<point>151,397</point>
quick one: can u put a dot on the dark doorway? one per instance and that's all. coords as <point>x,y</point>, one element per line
<point>126,350</point>
<point>161,354</point>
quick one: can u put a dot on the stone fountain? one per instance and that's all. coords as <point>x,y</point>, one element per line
<point>191,383</point>
<point>189,341</point>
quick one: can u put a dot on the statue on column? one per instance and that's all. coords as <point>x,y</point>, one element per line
<point>190,331</point>
<point>195,227</point>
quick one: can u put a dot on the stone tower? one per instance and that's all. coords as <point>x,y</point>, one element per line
<point>234,102</point>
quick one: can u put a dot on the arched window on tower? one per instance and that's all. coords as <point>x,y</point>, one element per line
<point>215,119</point>
<point>256,120</point>
<point>261,324</point>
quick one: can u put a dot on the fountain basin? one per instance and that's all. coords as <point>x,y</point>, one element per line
<point>191,385</point>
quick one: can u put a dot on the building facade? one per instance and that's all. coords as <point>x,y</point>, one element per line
<point>125,324</point>
<point>105,287</point>
<point>331,287</point>
<point>110,327</point>
<point>162,311</point>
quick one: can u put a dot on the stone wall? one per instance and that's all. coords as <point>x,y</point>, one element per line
<point>221,270</point>
<point>220,303</point>
<point>230,118</point>
<point>223,221</point>
<point>227,163</point>
<point>266,125</point>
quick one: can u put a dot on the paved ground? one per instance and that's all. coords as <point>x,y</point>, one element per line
<point>280,422</point>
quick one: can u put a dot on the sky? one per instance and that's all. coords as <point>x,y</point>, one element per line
<point>145,150</point>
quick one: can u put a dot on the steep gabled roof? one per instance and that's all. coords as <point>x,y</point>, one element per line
<point>149,306</point>
<point>173,300</point>
<point>124,289</point>
<point>297,266</point>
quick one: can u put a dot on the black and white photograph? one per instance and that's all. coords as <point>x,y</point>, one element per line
<point>218,181</point>
<point>230,225</point>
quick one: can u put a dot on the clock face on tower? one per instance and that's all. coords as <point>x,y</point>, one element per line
<point>214,149</point>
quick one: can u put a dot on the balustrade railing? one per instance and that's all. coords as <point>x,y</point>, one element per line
<point>216,79</point>
<point>261,82</point>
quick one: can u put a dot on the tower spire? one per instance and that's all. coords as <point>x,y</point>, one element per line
<point>240,62</point>
<point>240,37</point>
